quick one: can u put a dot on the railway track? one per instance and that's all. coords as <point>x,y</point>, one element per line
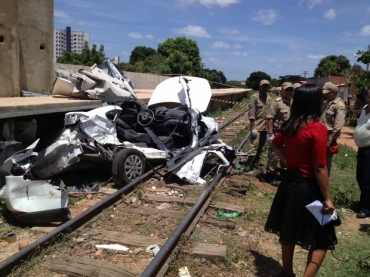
<point>154,218</point>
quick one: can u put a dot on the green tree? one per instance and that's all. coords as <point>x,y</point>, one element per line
<point>156,64</point>
<point>211,76</point>
<point>253,81</point>
<point>357,67</point>
<point>141,53</point>
<point>275,82</point>
<point>364,57</point>
<point>332,65</point>
<point>362,82</point>
<point>87,57</point>
<point>182,55</point>
<point>290,78</point>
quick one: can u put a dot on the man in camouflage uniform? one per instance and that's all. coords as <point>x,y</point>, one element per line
<point>333,114</point>
<point>258,124</point>
<point>295,87</point>
<point>277,113</point>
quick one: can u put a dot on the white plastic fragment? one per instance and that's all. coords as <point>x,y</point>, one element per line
<point>163,206</point>
<point>115,247</point>
<point>154,248</point>
<point>184,272</point>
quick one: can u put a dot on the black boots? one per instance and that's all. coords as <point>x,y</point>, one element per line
<point>249,164</point>
<point>272,179</point>
<point>252,163</point>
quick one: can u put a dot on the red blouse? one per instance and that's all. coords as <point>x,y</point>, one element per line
<point>306,149</point>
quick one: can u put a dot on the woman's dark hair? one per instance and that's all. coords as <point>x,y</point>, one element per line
<point>307,101</point>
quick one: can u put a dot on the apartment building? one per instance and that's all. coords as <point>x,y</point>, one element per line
<point>68,40</point>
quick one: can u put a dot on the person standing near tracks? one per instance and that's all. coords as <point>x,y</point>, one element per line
<point>301,145</point>
<point>362,140</point>
<point>277,113</point>
<point>257,124</point>
<point>333,115</point>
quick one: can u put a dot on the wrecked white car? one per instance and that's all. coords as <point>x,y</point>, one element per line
<point>131,137</point>
<point>124,135</point>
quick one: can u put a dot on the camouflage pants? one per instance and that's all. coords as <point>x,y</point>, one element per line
<point>257,145</point>
<point>273,161</point>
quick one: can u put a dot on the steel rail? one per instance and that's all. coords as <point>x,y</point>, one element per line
<point>159,260</point>
<point>7,266</point>
<point>233,119</point>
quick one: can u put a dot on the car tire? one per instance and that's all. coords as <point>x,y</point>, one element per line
<point>128,165</point>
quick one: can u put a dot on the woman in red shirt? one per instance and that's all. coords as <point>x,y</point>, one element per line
<point>301,145</point>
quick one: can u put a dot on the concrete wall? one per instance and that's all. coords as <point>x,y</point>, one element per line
<point>144,80</point>
<point>26,62</point>
<point>9,49</point>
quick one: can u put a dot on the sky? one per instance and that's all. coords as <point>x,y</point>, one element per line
<point>237,37</point>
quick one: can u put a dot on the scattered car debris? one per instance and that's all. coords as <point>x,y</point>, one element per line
<point>114,247</point>
<point>184,272</point>
<point>154,249</point>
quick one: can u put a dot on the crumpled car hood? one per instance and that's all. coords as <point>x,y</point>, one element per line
<point>172,90</point>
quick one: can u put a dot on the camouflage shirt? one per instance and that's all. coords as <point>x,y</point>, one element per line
<point>279,111</point>
<point>258,109</point>
<point>333,117</point>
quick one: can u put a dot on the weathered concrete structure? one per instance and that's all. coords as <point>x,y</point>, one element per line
<point>26,46</point>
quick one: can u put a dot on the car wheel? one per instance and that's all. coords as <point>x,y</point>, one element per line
<point>128,165</point>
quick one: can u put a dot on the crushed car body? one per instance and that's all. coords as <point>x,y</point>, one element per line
<point>31,201</point>
<point>124,134</point>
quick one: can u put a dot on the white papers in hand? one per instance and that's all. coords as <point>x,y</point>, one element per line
<point>316,208</point>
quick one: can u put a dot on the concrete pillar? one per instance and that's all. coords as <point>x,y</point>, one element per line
<point>9,49</point>
<point>26,46</point>
<point>36,33</point>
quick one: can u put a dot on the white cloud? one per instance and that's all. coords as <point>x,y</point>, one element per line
<point>266,17</point>
<point>228,31</point>
<point>365,31</point>
<point>312,3</point>
<point>273,61</point>
<point>236,53</point>
<point>245,54</point>
<point>279,66</point>
<point>149,37</point>
<point>330,14</point>
<point>214,60</point>
<point>135,35</point>
<point>347,34</point>
<point>368,10</point>
<point>315,57</point>
<point>60,14</point>
<point>124,53</point>
<point>195,31</point>
<point>237,46</point>
<point>221,44</point>
<point>208,3</point>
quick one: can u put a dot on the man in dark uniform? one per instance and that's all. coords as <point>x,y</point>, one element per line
<point>258,124</point>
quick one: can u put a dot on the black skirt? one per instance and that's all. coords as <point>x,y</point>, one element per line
<point>291,221</point>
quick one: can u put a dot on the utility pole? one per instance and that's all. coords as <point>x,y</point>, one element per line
<point>305,73</point>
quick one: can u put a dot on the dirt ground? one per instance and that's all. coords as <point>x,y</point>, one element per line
<point>265,243</point>
<point>347,138</point>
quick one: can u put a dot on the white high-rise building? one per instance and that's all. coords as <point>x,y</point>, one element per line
<point>68,40</point>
